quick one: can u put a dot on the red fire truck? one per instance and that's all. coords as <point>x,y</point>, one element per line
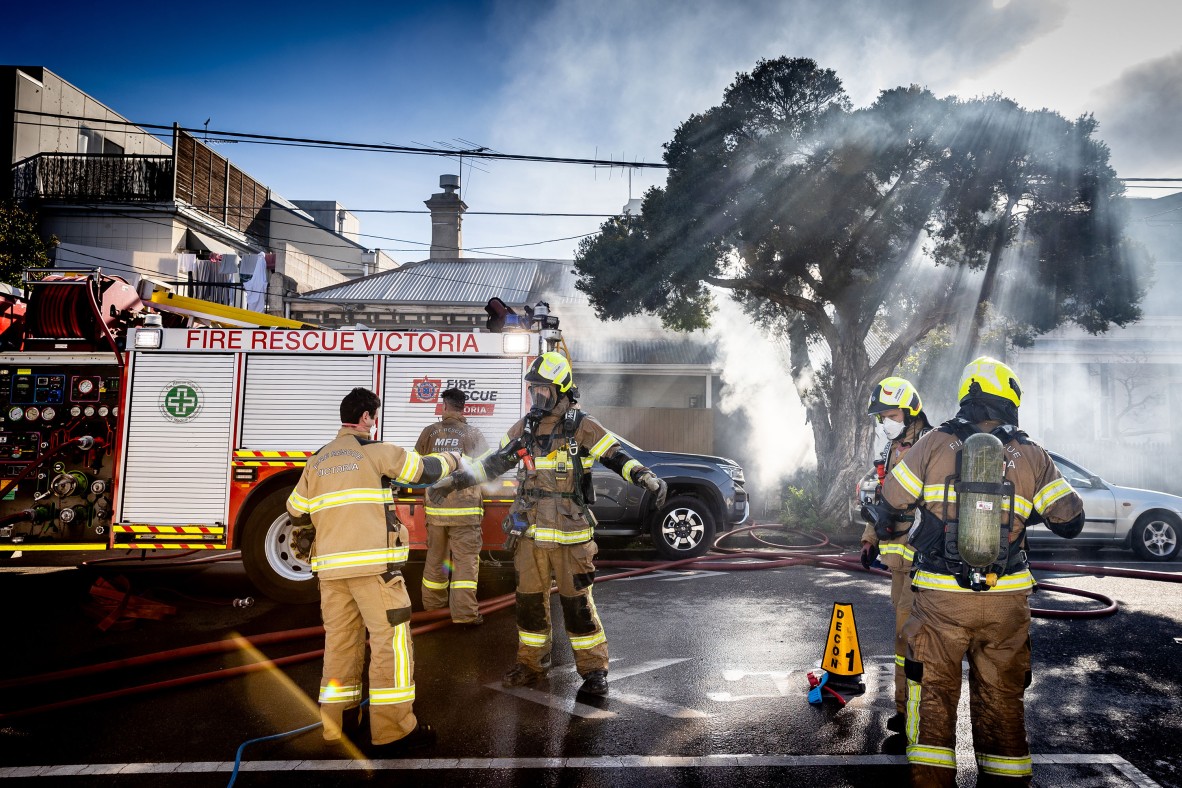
<point>123,432</point>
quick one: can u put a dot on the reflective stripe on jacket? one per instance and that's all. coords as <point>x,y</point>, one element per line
<point>453,433</point>
<point>921,478</point>
<point>558,519</point>
<point>342,490</point>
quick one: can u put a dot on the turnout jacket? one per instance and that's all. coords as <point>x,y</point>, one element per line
<point>345,490</point>
<point>1040,493</point>
<point>454,433</point>
<point>896,550</point>
<point>547,496</point>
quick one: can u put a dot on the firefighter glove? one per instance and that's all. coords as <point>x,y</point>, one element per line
<point>438,492</point>
<point>869,553</point>
<point>656,486</point>
<point>883,518</point>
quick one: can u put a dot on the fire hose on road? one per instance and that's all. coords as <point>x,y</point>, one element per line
<point>722,559</point>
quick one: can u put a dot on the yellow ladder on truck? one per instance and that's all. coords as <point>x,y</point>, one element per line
<point>220,313</point>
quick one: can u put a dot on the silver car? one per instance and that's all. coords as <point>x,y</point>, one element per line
<point>1149,523</point>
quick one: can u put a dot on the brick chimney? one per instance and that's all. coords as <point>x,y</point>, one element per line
<point>447,214</point>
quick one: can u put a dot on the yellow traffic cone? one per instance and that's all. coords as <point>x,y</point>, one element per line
<point>842,658</point>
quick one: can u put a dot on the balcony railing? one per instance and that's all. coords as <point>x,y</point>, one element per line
<point>89,178</point>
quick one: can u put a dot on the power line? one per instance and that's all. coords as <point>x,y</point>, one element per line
<point>374,147</point>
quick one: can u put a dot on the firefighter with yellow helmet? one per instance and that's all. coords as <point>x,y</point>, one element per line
<point>978,481</point>
<point>553,448</point>
<point>898,411</point>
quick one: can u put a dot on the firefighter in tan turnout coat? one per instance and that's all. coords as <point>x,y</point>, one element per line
<point>961,609</point>
<point>357,556</point>
<point>453,527</point>
<point>556,445</point>
<point>896,406</point>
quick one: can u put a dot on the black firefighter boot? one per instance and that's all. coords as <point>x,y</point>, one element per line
<point>594,683</point>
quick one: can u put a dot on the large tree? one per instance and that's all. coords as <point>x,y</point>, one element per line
<point>853,228</point>
<point>21,244</point>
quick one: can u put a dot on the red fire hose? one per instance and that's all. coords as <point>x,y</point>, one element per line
<point>728,560</point>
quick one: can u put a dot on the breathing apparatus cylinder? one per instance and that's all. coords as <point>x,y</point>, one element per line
<point>978,534</point>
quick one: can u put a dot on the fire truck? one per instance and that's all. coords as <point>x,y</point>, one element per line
<point>126,430</point>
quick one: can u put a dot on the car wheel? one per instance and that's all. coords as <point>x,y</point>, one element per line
<point>684,528</point>
<point>1155,536</point>
<point>277,554</point>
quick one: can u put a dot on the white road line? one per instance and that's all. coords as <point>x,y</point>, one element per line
<point>600,762</point>
<point>662,707</point>
<point>553,701</point>
<point>615,674</point>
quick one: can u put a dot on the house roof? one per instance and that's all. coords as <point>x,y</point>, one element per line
<point>469,281</point>
<point>686,351</point>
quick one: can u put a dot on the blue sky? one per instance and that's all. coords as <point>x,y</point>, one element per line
<point>572,78</point>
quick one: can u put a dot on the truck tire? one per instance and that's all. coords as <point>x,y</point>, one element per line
<point>1156,536</point>
<point>276,555</point>
<point>684,528</point>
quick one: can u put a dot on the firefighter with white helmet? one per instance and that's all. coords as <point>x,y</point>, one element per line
<point>898,410</point>
<point>453,528</point>
<point>554,447</point>
<point>978,482</point>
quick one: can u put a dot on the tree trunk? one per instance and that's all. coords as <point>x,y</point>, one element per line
<point>842,433</point>
<point>989,281</point>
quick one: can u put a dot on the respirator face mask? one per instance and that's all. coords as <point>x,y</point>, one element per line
<point>890,429</point>
<point>543,397</point>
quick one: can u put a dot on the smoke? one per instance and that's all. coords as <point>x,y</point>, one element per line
<point>1140,113</point>
<point>756,384</point>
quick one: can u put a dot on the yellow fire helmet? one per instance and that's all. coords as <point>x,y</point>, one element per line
<point>553,368</point>
<point>990,376</point>
<point>895,393</point>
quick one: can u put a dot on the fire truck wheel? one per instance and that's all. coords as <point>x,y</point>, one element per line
<point>684,528</point>
<point>276,554</point>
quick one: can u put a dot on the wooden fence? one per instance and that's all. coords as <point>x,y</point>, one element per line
<point>664,429</point>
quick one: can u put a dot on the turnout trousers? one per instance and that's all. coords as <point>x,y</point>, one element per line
<point>902,598</point>
<point>460,543</point>
<point>349,607</point>
<point>994,631</point>
<point>573,570</point>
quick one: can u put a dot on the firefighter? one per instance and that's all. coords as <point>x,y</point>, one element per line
<point>453,528</point>
<point>357,555</point>
<point>961,609</point>
<point>898,410</point>
<point>556,445</point>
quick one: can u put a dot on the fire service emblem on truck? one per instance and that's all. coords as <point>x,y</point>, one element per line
<point>181,400</point>
<point>425,390</point>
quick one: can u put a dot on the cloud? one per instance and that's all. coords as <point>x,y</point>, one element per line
<point>1140,113</point>
<point>616,78</point>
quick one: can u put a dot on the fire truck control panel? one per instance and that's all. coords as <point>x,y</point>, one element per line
<point>50,410</point>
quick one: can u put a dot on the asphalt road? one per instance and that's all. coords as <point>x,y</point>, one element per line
<point>708,687</point>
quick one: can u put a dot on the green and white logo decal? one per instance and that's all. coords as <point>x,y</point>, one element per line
<point>181,400</point>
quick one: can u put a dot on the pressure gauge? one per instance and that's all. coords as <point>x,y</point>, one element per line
<point>85,386</point>
<point>48,414</point>
<point>103,411</point>
<point>16,414</point>
<point>31,413</point>
<point>75,411</point>
<point>88,411</point>
<point>115,411</point>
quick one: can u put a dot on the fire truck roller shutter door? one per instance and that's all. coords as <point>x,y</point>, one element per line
<point>290,402</point>
<point>178,439</point>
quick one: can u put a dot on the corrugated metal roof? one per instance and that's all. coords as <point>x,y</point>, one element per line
<point>687,351</point>
<point>467,281</point>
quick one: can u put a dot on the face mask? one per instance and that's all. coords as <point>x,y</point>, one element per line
<point>889,429</point>
<point>543,398</point>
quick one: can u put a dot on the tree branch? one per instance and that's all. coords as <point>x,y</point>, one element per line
<point>811,309</point>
